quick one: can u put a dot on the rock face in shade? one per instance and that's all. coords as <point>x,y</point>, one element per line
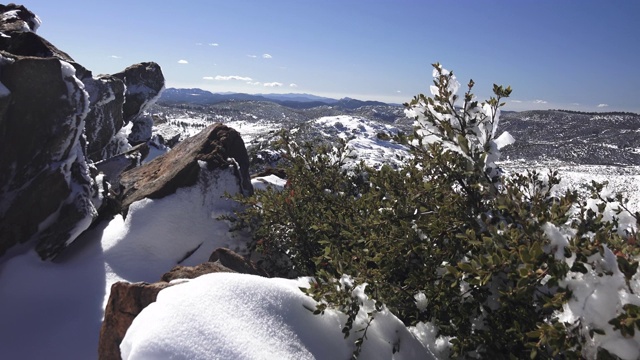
<point>45,186</point>
<point>104,120</point>
<point>144,84</point>
<point>218,146</point>
<point>56,119</point>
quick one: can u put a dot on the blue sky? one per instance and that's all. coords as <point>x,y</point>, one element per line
<point>570,54</point>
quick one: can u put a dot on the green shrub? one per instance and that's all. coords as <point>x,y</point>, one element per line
<point>492,261</point>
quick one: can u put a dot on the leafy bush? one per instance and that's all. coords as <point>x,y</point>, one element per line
<point>500,265</point>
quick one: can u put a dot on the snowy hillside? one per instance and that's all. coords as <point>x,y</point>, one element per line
<point>77,286</point>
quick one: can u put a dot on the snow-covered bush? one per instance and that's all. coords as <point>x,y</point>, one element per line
<point>498,265</point>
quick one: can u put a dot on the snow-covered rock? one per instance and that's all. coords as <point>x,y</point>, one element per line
<point>144,82</point>
<point>370,140</point>
<point>52,112</point>
<point>215,149</point>
<point>104,120</point>
<point>43,170</point>
<point>238,316</point>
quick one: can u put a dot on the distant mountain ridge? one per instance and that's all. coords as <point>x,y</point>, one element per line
<point>173,96</point>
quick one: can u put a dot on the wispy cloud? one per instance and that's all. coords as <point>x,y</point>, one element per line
<point>515,101</point>
<point>293,85</point>
<point>232,77</point>
<point>273,84</point>
<point>398,91</point>
<point>602,105</point>
<point>183,62</point>
<point>208,78</point>
<point>214,44</point>
<point>539,102</point>
<point>115,57</point>
<point>252,56</point>
<point>254,82</point>
<point>198,44</point>
<point>267,56</point>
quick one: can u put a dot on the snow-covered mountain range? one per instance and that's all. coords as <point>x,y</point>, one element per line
<point>575,138</point>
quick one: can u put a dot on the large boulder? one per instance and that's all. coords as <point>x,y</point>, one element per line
<point>19,26</point>
<point>56,118</point>
<point>105,118</point>
<point>46,190</point>
<point>215,147</point>
<point>144,83</point>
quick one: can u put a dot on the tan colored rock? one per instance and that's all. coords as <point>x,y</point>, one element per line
<point>125,303</point>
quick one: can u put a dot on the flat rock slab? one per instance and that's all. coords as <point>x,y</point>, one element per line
<point>217,145</point>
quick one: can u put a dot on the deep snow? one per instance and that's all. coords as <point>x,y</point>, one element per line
<point>248,317</point>
<point>54,310</point>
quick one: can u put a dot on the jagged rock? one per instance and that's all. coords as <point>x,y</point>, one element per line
<point>19,26</point>
<point>47,103</point>
<point>43,171</point>
<point>144,84</point>
<point>104,120</point>
<point>18,18</point>
<point>141,130</point>
<point>218,146</point>
<point>235,262</point>
<point>126,301</point>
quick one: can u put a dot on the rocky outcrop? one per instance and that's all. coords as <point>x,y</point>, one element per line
<point>216,147</point>
<point>144,84</point>
<point>127,300</point>
<point>105,119</point>
<point>19,26</point>
<point>55,120</point>
<point>45,185</point>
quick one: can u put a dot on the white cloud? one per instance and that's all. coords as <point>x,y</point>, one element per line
<point>198,44</point>
<point>273,84</point>
<point>398,91</point>
<point>515,101</point>
<point>539,102</point>
<point>254,82</point>
<point>116,57</point>
<point>208,78</point>
<point>214,44</point>
<point>267,56</point>
<point>232,77</point>
<point>293,85</point>
<point>183,62</point>
<point>602,105</point>
<point>252,56</point>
